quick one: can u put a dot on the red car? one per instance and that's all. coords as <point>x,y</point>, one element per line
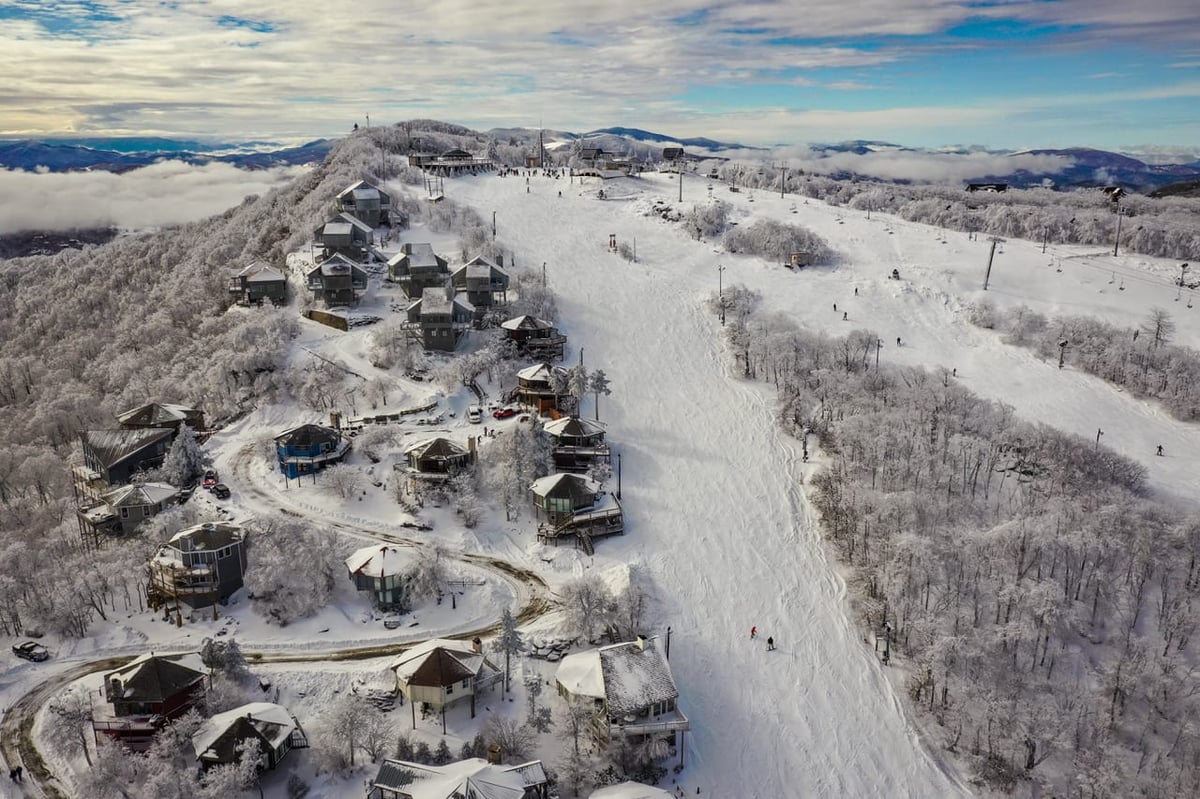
<point>211,478</point>
<point>504,413</point>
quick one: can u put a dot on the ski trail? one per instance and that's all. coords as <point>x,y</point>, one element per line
<point>715,511</point>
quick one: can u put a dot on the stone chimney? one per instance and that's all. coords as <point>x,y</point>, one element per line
<point>477,645</point>
<point>335,420</point>
<point>495,755</point>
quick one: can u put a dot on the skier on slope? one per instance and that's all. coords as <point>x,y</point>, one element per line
<point>753,633</point>
<point>770,643</point>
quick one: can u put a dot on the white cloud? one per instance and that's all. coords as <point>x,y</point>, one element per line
<point>166,193</point>
<point>909,165</point>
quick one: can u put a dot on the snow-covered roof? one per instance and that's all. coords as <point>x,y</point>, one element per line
<point>474,778</point>
<point>439,661</point>
<point>564,484</point>
<point>354,221</point>
<point>627,676</point>
<point>207,536</point>
<point>436,447</point>
<point>435,301</point>
<point>378,561</point>
<point>354,187</point>
<point>630,790</point>
<point>574,427</point>
<point>418,254</point>
<point>336,229</point>
<point>308,434</point>
<point>154,413</point>
<point>154,678</point>
<point>526,322</point>
<point>336,264</point>
<point>541,371</point>
<point>581,674</point>
<point>112,446</point>
<point>274,723</point>
<point>139,494</point>
<point>259,272</point>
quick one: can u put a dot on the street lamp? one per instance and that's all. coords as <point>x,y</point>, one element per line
<point>721,292</point>
<point>1062,351</point>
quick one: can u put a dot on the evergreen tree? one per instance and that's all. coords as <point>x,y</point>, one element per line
<point>185,461</point>
<point>510,641</point>
<point>599,385</point>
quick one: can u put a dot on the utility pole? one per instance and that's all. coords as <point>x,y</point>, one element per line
<point>679,166</point>
<point>783,182</point>
<point>1045,236</point>
<point>992,254</point>
<point>1182,269</point>
<point>618,475</point>
<point>543,273</point>
<point>878,347</point>
<point>493,225</point>
<point>1099,433</point>
<point>1062,352</point>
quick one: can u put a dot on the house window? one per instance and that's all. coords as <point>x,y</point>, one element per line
<point>124,513</point>
<point>467,683</point>
<point>145,511</point>
<point>449,689</point>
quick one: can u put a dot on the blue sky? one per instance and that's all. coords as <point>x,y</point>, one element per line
<point>999,73</point>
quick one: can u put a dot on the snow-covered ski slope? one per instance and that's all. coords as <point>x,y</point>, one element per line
<point>713,490</point>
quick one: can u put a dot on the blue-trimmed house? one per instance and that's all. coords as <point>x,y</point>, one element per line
<point>309,448</point>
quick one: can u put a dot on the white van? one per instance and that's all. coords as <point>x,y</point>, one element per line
<point>474,414</point>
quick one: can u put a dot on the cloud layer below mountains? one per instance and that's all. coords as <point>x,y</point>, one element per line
<point>166,193</point>
<point>910,165</point>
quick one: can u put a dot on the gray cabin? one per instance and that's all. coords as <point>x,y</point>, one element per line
<point>439,320</point>
<point>416,268</point>
<point>366,202</point>
<point>345,234</point>
<point>484,283</point>
<point>199,566</point>
<point>259,283</point>
<point>337,281</point>
<point>121,510</point>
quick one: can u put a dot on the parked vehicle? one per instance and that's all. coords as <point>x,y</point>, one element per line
<point>211,478</point>
<point>221,491</point>
<point>504,413</point>
<point>31,650</point>
<point>474,414</point>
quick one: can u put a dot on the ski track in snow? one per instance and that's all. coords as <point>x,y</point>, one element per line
<point>715,511</point>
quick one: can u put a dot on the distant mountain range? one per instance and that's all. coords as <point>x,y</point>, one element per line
<point>123,154</point>
<point>1090,167</point>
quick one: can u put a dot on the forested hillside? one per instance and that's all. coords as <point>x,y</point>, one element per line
<point>85,334</point>
<point>1044,605</point>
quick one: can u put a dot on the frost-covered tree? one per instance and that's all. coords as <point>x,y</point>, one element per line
<point>515,739</point>
<point>69,723</point>
<point>292,569</point>
<point>578,383</point>
<point>186,461</point>
<point>588,606</point>
<point>224,657</point>
<point>344,479</point>
<point>427,575</point>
